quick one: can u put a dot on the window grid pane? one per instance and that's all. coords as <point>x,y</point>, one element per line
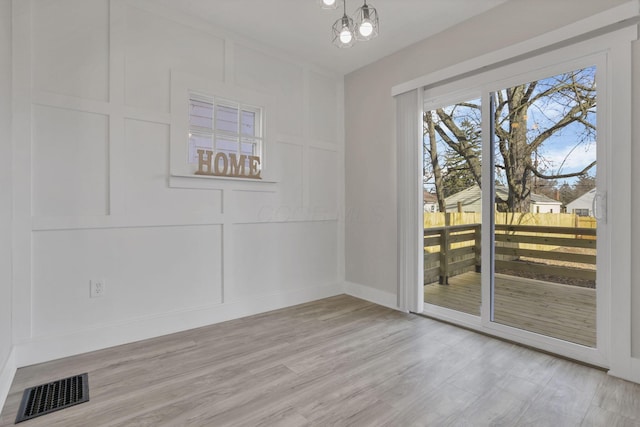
<point>226,145</point>
<point>248,123</point>
<point>227,119</point>
<point>223,126</point>
<point>201,114</point>
<point>199,141</point>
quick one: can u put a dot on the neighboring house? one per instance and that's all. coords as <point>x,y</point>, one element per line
<point>469,200</point>
<point>543,204</point>
<point>583,205</point>
<point>430,201</point>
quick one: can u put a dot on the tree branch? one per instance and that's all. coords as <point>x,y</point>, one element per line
<point>575,114</point>
<point>566,175</point>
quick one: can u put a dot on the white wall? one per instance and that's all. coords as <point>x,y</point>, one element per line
<point>102,207</point>
<point>6,340</point>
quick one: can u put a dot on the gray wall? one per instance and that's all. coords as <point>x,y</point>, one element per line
<point>5,181</point>
<point>371,240</point>
<point>635,224</point>
<point>370,153</point>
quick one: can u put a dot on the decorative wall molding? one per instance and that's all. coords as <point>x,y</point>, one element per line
<point>140,195</point>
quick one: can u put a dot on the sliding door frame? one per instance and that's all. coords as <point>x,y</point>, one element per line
<point>598,355</point>
<point>611,53</point>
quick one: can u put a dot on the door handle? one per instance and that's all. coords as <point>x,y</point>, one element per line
<point>599,206</point>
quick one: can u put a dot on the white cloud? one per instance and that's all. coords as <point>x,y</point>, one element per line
<point>562,157</point>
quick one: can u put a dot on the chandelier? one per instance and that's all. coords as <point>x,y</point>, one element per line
<point>345,31</point>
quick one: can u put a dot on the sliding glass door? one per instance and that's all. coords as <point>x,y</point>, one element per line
<point>545,158</point>
<point>513,199</point>
<point>452,173</point>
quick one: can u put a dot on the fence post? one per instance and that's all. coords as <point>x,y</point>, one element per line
<point>444,251</point>
<point>478,248</point>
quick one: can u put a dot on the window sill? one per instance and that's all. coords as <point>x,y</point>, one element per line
<point>208,182</point>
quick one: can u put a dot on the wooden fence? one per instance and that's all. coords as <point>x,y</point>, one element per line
<point>438,219</point>
<point>553,238</point>
<point>453,248</point>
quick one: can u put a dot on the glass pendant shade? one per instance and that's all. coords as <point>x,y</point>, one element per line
<point>343,32</point>
<point>328,4</point>
<point>366,23</point>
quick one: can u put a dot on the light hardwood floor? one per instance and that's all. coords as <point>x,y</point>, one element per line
<point>333,362</point>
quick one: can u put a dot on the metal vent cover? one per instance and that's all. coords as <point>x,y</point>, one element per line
<point>51,397</point>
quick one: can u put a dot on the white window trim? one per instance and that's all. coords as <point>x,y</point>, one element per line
<point>615,48</point>
<point>181,172</point>
<point>214,132</point>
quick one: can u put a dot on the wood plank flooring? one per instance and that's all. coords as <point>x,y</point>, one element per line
<point>334,362</point>
<point>559,311</point>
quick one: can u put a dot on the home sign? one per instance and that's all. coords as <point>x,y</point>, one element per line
<point>230,165</point>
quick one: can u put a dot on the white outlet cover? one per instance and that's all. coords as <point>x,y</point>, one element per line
<point>96,288</point>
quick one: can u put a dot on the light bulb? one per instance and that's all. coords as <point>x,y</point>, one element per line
<point>366,28</point>
<point>345,36</point>
<point>328,2</point>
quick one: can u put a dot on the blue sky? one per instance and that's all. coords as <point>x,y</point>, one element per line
<point>569,150</point>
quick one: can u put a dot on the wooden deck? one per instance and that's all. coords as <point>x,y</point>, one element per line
<point>559,311</point>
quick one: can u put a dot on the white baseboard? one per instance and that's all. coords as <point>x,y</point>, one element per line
<point>635,370</point>
<point>7,372</point>
<point>373,295</point>
<point>632,374</point>
<point>44,349</point>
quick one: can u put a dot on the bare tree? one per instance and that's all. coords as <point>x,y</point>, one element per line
<point>563,103</point>
<point>432,150</point>
<point>449,150</point>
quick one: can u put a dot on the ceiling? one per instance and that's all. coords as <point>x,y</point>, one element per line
<point>302,29</point>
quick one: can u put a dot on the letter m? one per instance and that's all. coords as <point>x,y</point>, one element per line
<point>237,164</point>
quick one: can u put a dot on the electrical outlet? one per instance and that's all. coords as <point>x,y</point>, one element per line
<point>97,288</point>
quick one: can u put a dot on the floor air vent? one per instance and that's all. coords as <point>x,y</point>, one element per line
<point>51,397</point>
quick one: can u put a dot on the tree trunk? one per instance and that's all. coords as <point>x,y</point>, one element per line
<point>433,156</point>
<point>518,155</point>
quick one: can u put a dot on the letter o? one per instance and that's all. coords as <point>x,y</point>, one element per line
<point>225,163</point>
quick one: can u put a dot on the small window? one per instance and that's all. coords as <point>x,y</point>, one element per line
<point>220,133</point>
<point>581,212</point>
<point>224,126</point>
